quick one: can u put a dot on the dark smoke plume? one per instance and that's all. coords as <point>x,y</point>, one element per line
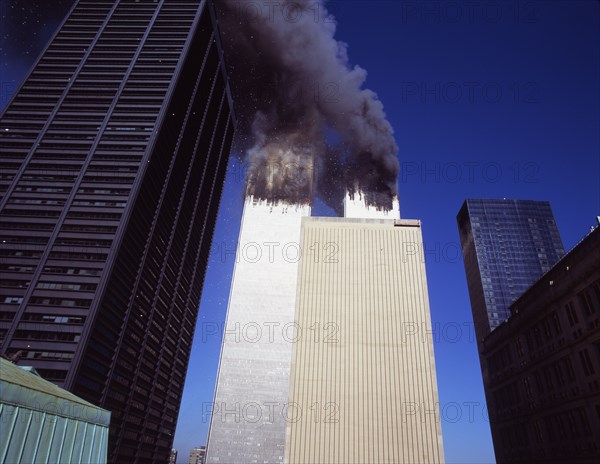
<point>297,98</point>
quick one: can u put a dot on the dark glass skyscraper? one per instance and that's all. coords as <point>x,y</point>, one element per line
<point>507,245</point>
<point>114,152</point>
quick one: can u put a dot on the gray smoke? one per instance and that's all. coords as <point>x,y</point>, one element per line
<point>297,97</point>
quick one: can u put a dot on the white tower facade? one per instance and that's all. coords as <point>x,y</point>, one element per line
<point>248,421</point>
<point>355,207</point>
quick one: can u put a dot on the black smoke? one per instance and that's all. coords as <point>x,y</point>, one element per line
<point>296,95</point>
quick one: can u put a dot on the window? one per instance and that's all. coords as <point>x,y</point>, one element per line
<point>548,378</point>
<point>79,303</point>
<point>54,375</point>
<point>98,257</point>
<point>571,314</point>
<point>50,355</point>
<point>585,301</point>
<point>14,283</point>
<point>57,319</point>
<point>586,362</point>
<point>556,324</point>
<point>583,419</point>
<point>558,374</point>
<point>62,336</point>
<point>527,387</point>
<point>64,286</point>
<point>569,367</point>
<point>72,271</point>
<point>538,432</point>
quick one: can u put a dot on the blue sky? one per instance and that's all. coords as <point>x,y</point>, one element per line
<point>487,99</point>
<point>480,109</point>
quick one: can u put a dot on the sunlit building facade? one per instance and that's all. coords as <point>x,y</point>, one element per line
<point>363,383</point>
<point>319,360</point>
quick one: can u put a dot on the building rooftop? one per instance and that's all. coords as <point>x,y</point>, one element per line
<point>22,386</point>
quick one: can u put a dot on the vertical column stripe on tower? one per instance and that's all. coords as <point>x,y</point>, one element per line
<point>368,394</point>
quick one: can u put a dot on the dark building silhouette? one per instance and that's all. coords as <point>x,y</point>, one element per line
<point>114,153</point>
<point>541,369</point>
<point>507,245</point>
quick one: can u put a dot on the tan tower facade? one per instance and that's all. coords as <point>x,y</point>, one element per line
<point>363,385</point>
<point>327,355</point>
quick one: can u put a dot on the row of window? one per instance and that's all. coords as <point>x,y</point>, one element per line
<point>545,333</point>
<point>572,425</point>
<point>41,226</point>
<point>48,336</point>
<point>548,380</point>
<point>53,318</point>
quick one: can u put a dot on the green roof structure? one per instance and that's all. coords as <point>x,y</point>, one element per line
<point>43,423</point>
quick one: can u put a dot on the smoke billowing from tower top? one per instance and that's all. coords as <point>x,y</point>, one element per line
<point>296,96</point>
<point>282,170</point>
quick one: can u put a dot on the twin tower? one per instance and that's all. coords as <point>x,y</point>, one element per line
<point>327,355</point>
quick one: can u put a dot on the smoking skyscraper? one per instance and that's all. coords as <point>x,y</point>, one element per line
<point>254,370</point>
<point>309,129</point>
<point>292,84</point>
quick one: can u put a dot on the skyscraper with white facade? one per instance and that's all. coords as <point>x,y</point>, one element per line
<point>248,424</point>
<point>321,361</point>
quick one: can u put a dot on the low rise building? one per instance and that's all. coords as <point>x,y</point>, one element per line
<point>541,368</point>
<point>43,423</point>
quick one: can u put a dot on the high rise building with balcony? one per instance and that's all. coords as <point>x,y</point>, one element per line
<point>507,245</point>
<point>114,152</point>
